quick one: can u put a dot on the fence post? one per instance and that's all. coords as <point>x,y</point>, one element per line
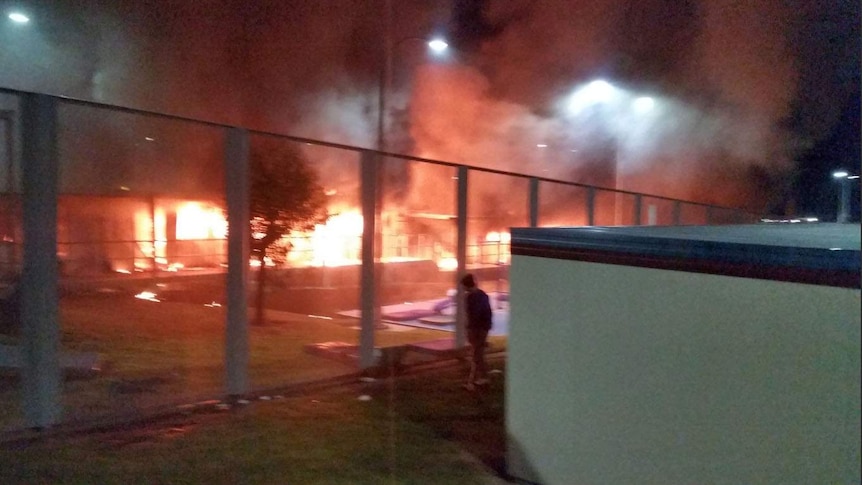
<point>6,116</point>
<point>461,250</point>
<point>677,212</point>
<point>40,329</point>
<point>708,215</point>
<point>591,206</point>
<point>534,202</point>
<point>368,283</point>
<point>638,208</point>
<point>237,194</point>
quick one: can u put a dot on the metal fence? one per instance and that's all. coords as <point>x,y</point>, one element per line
<point>125,238</point>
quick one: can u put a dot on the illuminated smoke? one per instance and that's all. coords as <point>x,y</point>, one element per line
<point>741,87</point>
<point>722,75</point>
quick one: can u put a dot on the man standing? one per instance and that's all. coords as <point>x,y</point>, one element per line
<point>478,324</point>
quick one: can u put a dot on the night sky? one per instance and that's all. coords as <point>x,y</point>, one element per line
<point>755,102</point>
<point>816,190</point>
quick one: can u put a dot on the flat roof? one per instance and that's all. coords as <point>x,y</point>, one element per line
<point>817,253</point>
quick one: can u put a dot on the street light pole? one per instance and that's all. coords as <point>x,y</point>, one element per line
<point>373,174</point>
<point>6,118</point>
<point>390,49</point>
<point>372,198</point>
<point>844,196</point>
<point>385,70</point>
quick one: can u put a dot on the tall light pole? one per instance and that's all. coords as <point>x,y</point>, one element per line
<point>640,108</point>
<point>437,46</point>
<point>613,105</point>
<point>843,178</point>
<point>373,177</point>
<point>8,124</point>
<point>7,229</point>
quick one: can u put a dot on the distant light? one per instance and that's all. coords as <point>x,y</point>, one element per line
<point>149,138</point>
<point>791,221</point>
<point>19,18</point>
<point>852,177</point>
<point>438,45</point>
<point>840,174</point>
<point>541,145</point>
<point>835,249</point>
<point>124,188</point>
<point>644,104</point>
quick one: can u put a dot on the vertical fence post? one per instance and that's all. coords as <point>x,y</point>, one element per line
<point>6,116</point>
<point>237,194</point>
<point>677,212</point>
<point>638,209</point>
<point>461,250</point>
<point>534,202</point>
<point>708,215</point>
<point>368,284</point>
<point>591,206</point>
<point>40,328</point>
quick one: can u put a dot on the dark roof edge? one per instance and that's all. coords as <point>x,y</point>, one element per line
<point>816,266</point>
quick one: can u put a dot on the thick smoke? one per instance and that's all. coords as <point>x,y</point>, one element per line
<point>724,76</point>
<point>739,87</point>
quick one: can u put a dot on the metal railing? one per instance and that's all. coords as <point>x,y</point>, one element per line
<point>41,200</point>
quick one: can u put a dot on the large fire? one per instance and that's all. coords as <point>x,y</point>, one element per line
<point>335,243</point>
<point>170,234</point>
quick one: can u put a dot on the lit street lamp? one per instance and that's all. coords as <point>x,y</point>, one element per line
<point>618,109</point>
<point>437,46</point>
<point>844,178</point>
<point>18,17</point>
<point>372,275</point>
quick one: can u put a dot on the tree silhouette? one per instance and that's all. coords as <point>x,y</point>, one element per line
<point>285,196</point>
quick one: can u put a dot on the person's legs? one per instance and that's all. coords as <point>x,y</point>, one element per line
<point>480,375</point>
<point>473,337</point>
<point>478,367</point>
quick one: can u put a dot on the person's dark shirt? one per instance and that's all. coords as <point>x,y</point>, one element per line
<point>478,309</point>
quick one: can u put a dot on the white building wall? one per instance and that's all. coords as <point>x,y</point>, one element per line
<point>619,375</point>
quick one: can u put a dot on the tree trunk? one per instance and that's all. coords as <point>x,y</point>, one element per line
<point>261,279</point>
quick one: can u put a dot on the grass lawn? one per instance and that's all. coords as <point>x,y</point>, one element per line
<point>419,428</point>
<point>171,352</point>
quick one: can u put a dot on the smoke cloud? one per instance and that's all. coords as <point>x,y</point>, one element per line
<point>725,77</point>
<point>739,87</point>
